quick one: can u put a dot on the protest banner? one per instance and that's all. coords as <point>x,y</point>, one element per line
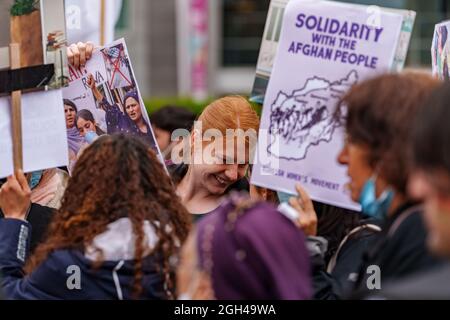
<point>324,48</point>
<point>103,98</point>
<point>271,37</point>
<point>44,139</point>
<point>34,68</point>
<point>440,51</point>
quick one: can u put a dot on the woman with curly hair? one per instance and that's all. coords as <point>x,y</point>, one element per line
<point>119,227</point>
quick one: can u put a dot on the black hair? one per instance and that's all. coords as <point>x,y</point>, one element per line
<point>431,132</point>
<point>170,118</point>
<point>70,103</point>
<point>88,116</point>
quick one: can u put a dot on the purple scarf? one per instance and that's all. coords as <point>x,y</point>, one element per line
<point>256,254</point>
<point>74,139</point>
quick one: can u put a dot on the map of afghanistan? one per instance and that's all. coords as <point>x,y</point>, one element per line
<point>306,118</point>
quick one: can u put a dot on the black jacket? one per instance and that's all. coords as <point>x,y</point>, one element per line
<point>55,277</point>
<point>39,218</point>
<point>399,250</point>
<point>335,283</point>
<point>430,285</point>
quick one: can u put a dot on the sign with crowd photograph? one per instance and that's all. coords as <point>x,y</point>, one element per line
<point>324,49</point>
<point>103,98</point>
<point>440,51</point>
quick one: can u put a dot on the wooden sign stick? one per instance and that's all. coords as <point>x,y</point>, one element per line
<point>16,110</point>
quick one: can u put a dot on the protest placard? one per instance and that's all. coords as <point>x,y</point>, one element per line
<point>103,98</point>
<point>440,51</point>
<point>324,48</point>
<point>43,132</point>
<point>271,37</point>
<point>32,126</point>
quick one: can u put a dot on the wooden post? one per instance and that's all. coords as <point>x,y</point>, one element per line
<point>102,22</point>
<point>16,108</point>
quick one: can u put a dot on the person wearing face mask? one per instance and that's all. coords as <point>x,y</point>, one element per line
<point>379,118</point>
<point>86,123</point>
<point>430,182</point>
<point>216,166</point>
<point>390,236</point>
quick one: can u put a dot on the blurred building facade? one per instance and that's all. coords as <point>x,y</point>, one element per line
<point>235,28</point>
<point>161,41</point>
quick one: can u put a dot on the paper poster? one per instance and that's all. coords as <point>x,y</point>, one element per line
<point>440,51</point>
<point>103,98</point>
<point>116,63</point>
<point>325,48</point>
<point>44,132</point>
<point>269,43</point>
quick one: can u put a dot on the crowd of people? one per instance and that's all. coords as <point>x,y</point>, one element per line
<point>124,226</point>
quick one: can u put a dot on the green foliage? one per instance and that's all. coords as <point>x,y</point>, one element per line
<point>23,7</point>
<point>196,107</point>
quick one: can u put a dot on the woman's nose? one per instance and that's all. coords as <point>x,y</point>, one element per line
<point>343,155</point>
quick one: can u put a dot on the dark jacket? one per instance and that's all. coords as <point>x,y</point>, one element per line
<point>430,285</point>
<point>57,276</point>
<point>399,250</point>
<point>39,218</point>
<point>334,279</point>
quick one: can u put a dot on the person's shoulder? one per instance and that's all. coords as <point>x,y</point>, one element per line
<point>408,223</point>
<point>432,284</point>
<point>61,262</point>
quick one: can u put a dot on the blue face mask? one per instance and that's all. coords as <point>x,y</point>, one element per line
<point>371,206</point>
<point>36,177</point>
<point>90,137</point>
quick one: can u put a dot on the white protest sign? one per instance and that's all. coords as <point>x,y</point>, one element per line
<point>325,48</point>
<point>44,132</point>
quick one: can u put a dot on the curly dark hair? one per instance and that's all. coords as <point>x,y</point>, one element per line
<point>119,176</point>
<point>380,115</point>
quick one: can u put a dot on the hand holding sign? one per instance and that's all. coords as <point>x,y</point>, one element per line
<point>307,220</point>
<point>78,54</point>
<point>15,197</point>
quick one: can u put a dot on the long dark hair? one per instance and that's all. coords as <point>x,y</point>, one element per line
<point>119,176</point>
<point>88,116</point>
